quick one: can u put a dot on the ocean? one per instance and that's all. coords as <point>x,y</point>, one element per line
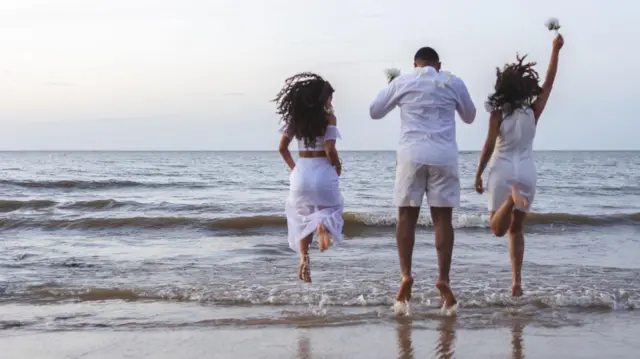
<point>166,247</point>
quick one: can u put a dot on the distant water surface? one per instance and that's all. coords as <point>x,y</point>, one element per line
<point>103,239</point>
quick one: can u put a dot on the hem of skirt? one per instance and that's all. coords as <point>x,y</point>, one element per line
<point>335,240</point>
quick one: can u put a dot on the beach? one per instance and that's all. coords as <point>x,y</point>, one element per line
<point>607,336</point>
<point>184,254</point>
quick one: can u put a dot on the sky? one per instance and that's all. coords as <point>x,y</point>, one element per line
<point>200,74</point>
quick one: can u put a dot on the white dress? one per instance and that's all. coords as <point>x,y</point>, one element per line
<point>512,161</point>
<point>314,195</point>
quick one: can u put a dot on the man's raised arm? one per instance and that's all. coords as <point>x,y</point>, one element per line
<point>386,101</point>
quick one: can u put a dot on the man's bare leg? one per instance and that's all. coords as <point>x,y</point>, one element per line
<point>406,238</point>
<point>516,251</point>
<point>304,271</point>
<point>442,221</point>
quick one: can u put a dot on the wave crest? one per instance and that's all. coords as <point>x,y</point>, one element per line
<point>355,223</point>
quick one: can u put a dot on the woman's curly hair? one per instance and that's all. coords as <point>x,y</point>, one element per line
<point>517,86</point>
<point>301,106</point>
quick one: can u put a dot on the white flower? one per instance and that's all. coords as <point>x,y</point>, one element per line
<point>553,24</point>
<point>392,73</point>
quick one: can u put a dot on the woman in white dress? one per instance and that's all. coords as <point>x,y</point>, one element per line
<point>315,203</point>
<point>515,108</point>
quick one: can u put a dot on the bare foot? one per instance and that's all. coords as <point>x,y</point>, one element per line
<point>518,198</point>
<point>404,293</point>
<point>324,241</point>
<point>516,290</point>
<point>448,299</point>
<point>304,271</point>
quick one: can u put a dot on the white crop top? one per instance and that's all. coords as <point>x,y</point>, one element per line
<point>331,133</point>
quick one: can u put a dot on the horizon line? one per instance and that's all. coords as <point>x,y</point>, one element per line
<point>271,150</point>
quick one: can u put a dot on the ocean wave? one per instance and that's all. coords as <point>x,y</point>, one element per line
<point>354,222</point>
<point>10,205</point>
<point>95,185</point>
<point>7,206</point>
<point>585,299</point>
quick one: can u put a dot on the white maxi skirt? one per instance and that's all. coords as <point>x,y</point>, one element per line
<point>314,199</point>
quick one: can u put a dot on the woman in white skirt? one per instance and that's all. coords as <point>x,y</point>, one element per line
<point>515,108</point>
<point>315,203</point>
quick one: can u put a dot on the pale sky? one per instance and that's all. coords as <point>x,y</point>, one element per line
<point>200,74</point>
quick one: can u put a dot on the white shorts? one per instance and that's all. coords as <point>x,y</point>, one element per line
<point>440,183</point>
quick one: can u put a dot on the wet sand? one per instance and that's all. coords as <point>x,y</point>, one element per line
<point>611,336</point>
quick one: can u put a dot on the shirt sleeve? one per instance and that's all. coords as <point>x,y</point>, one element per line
<point>385,102</point>
<point>286,131</point>
<point>332,133</point>
<point>465,107</point>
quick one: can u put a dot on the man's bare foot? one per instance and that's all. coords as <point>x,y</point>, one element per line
<point>324,241</point>
<point>404,293</point>
<point>304,271</point>
<point>518,198</point>
<point>516,290</point>
<point>448,299</point>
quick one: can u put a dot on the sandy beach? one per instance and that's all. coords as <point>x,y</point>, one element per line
<point>608,337</point>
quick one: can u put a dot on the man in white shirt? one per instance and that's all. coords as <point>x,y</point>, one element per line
<point>427,159</point>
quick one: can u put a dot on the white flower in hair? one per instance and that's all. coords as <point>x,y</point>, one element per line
<point>392,73</point>
<point>553,24</point>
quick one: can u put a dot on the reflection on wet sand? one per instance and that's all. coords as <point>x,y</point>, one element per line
<point>304,345</point>
<point>445,346</point>
<point>517,342</point>
<point>405,345</point>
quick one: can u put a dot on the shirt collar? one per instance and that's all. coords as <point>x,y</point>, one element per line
<point>427,70</point>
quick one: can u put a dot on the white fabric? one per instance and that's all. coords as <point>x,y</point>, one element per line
<point>512,161</point>
<point>314,198</point>
<point>428,100</point>
<point>440,183</point>
<point>331,133</point>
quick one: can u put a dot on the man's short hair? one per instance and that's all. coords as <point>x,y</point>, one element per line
<point>427,54</point>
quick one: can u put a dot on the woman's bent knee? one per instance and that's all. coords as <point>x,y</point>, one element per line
<point>498,232</point>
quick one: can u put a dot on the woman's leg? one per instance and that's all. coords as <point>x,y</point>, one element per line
<point>324,239</point>
<point>516,250</point>
<point>501,219</point>
<point>304,271</point>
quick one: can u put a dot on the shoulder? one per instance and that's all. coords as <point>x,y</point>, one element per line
<point>452,79</point>
<point>402,80</point>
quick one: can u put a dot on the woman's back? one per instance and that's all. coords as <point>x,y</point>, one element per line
<point>517,132</point>
<point>331,133</point>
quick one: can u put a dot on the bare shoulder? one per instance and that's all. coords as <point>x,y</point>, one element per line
<point>333,121</point>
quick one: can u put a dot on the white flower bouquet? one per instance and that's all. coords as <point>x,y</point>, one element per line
<point>553,24</point>
<point>392,73</point>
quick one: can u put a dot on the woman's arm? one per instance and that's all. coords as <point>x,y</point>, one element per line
<point>284,151</point>
<point>489,144</point>
<point>330,148</point>
<point>541,101</point>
